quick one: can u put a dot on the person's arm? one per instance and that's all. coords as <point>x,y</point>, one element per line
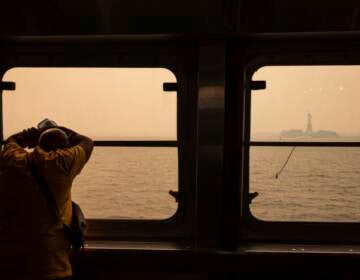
<point>26,138</point>
<point>17,139</point>
<point>77,139</point>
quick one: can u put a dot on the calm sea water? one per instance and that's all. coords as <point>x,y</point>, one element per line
<point>128,182</point>
<point>317,184</point>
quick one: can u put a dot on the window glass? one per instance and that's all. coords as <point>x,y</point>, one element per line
<point>307,104</point>
<point>107,104</point>
<point>128,183</point>
<point>317,184</point>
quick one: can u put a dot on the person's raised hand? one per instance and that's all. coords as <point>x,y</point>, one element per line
<point>68,131</point>
<point>31,136</point>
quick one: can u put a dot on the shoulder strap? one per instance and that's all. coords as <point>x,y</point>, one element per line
<point>43,186</point>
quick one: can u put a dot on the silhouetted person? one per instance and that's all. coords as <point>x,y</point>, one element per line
<point>32,241</point>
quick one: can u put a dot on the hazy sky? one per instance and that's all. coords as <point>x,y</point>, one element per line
<point>103,103</point>
<point>128,103</point>
<point>331,94</point>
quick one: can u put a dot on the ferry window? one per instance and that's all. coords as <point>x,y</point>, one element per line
<point>304,144</point>
<point>134,125</point>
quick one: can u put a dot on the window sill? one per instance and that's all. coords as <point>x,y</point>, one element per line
<point>176,257</point>
<point>315,249</point>
<point>102,245</point>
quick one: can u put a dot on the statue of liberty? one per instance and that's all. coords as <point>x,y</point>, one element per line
<point>309,125</point>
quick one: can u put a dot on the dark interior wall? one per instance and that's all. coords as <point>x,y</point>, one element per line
<point>298,16</point>
<point>68,17</point>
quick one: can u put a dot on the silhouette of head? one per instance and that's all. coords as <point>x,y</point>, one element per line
<point>53,139</point>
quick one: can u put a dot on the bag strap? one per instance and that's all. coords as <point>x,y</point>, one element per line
<point>43,186</point>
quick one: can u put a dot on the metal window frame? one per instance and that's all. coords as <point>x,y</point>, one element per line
<point>285,50</point>
<point>170,52</point>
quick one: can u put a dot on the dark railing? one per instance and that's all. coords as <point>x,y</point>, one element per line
<point>142,143</point>
<point>304,144</point>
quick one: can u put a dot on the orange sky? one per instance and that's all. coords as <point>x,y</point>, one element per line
<point>130,104</point>
<point>101,103</point>
<point>329,93</point>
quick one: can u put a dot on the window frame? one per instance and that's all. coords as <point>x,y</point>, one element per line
<point>288,50</point>
<point>131,52</point>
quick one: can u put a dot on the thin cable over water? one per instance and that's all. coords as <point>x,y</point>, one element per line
<point>287,160</point>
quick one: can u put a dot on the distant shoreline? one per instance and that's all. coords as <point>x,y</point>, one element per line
<point>278,137</point>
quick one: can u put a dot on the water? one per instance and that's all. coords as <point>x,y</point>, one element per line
<point>317,184</point>
<point>123,182</point>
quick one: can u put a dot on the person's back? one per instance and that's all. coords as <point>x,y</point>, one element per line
<point>32,241</point>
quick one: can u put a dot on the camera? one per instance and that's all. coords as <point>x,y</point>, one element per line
<point>46,124</point>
